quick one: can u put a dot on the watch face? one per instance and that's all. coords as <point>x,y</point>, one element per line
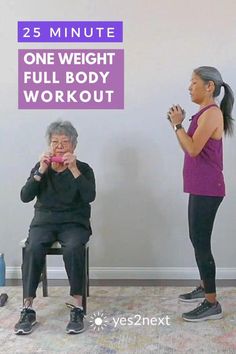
<point>37,173</point>
<point>178,126</point>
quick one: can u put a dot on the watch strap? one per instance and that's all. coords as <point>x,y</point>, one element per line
<point>37,173</point>
<point>177,127</point>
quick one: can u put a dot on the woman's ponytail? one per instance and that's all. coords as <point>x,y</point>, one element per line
<point>226,107</point>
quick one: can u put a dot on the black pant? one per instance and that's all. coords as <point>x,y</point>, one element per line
<point>201,215</point>
<point>72,238</point>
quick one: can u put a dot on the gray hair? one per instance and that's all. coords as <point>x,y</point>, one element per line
<point>62,128</point>
<point>209,73</point>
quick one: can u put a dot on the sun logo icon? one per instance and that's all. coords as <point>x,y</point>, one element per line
<point>98,321</point>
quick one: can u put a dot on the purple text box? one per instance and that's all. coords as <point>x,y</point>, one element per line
<point>71,79</point>
<point>70,31</point>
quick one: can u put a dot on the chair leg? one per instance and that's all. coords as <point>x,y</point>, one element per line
<point>84,297</point>
<point>87,252</point>
<point>44,279</point>
<point>23,256</point>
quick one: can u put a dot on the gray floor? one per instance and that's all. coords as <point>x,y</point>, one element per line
<point>108,327</point>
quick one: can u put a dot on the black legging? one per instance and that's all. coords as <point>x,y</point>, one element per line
<point>201,215</point>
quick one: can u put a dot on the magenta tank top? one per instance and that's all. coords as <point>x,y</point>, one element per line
<point>203,174</point>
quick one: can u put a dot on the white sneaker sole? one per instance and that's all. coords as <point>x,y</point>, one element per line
<point>72,331</point>
<point>192,300</point>
<point>21,331</point>
<point>211,317</point>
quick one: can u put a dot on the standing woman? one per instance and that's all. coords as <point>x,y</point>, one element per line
<point>203,178</point>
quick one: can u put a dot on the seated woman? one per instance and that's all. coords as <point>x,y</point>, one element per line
<point>63,187</point>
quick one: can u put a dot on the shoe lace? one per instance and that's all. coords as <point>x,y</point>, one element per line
<point>197,290</point>
<point>202,306</point>
<point>23,316</point>
<point>75,313</point>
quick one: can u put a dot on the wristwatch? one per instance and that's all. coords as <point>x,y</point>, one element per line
<point>177,127</point>
<point>38,175</point>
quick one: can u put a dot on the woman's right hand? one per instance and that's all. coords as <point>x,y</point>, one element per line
<point>176,114</point>
<point>44,161</point>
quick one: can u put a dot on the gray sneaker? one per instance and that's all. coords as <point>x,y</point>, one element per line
<point>197,294</point>
<point>76,323</point>
<point>26,321</point>
<point>205,311</point>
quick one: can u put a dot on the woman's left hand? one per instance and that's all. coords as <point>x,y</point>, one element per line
<point>69,160</point>
<point>176,114</point>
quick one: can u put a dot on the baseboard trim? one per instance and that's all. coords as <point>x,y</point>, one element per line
<point>173,273</point>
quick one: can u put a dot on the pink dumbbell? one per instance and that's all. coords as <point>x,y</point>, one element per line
<point>57,159</point>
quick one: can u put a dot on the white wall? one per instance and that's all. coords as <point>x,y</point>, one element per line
<point>139,217</point>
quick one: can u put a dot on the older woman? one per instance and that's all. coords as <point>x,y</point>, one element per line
<point>63,187</point>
